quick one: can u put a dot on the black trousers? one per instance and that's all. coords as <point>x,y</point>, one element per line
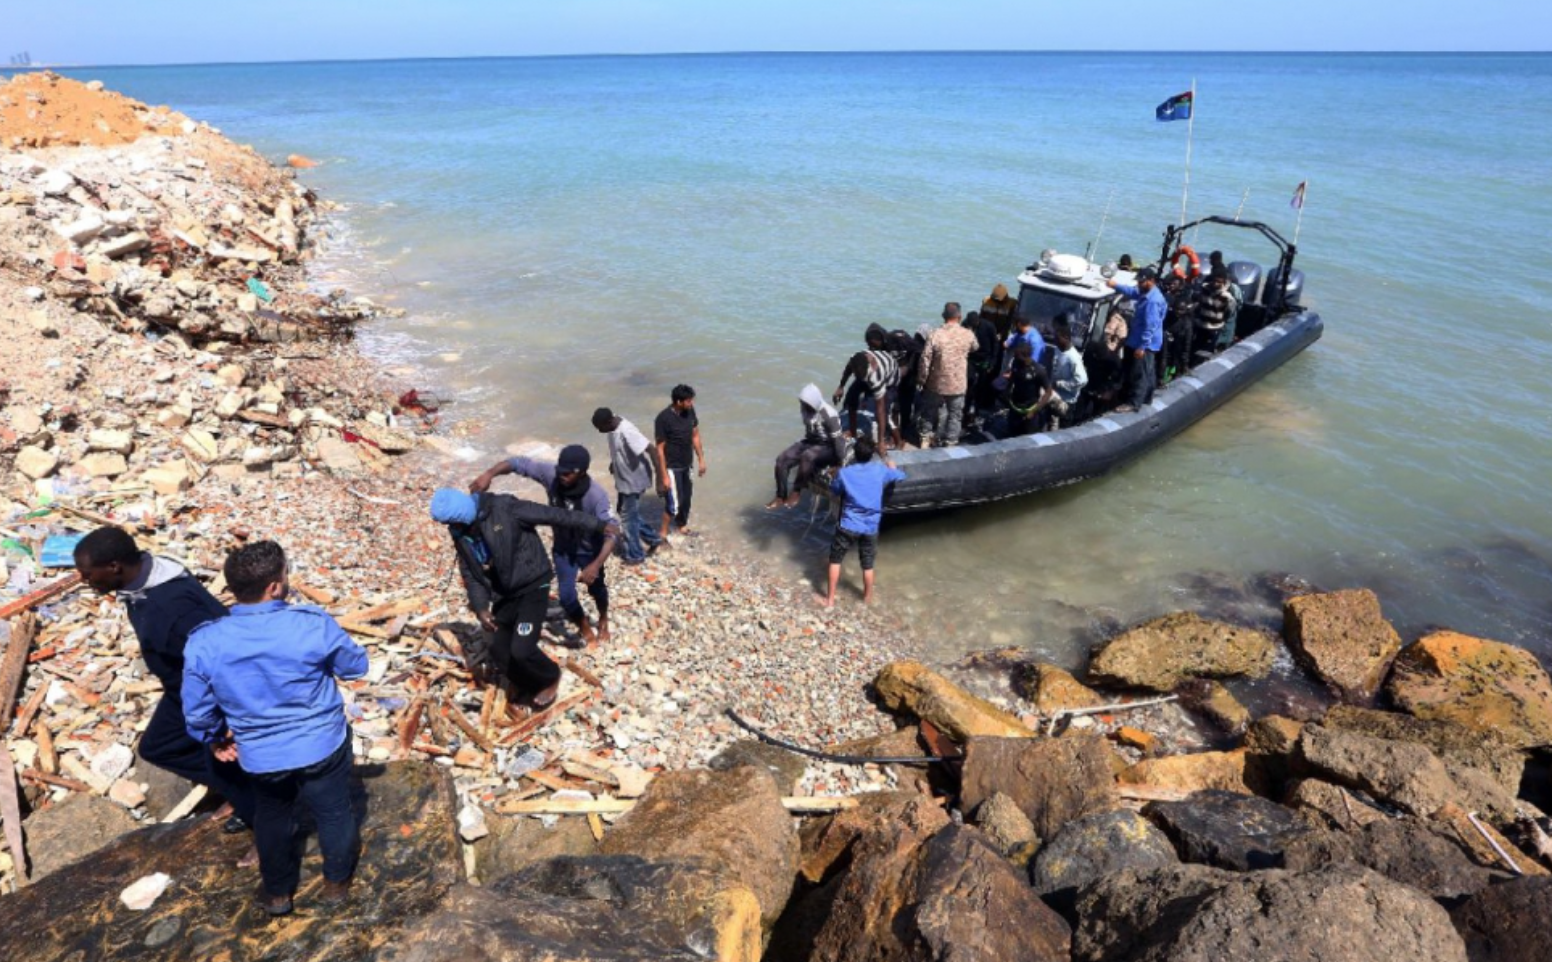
<point>168,745</point>
<point>324,788</point>
<point>515,649</point>
<point>1141,378</point>
<point>679,494</point>
<point>808,457</point>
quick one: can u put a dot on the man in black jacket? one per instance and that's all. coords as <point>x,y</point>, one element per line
<point>164,603</point>
<point>507,573</point>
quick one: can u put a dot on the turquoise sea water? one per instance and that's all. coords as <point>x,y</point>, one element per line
<point>573,232</point>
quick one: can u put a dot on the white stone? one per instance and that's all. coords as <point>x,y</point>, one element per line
<point>55,183</point>
<point>170,478</point>
<point>112,761</point>
<point>145,891</point>
<point>255,254</point>
<point>118,442</point>
<point>36,463</point>
<point>127,793</point>
<point>247,303</point>
<point>232,375</point>
<point>174,416</point>
<point>103,464</point>
<point>82,229</point>
<point>471,823</point>
<point>117,247</point>
<point>200,445</point>
<point>25,422</point>
<point>231,403</point>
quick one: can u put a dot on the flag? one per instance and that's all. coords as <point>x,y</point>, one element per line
<point>1298,196</point>
<point>1177,107</point>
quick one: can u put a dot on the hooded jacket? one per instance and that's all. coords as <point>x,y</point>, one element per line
<point>507,527</point>
<point>821,423</point>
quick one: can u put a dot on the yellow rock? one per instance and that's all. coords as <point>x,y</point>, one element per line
<point>913,687</point>
<point>1191,773</point>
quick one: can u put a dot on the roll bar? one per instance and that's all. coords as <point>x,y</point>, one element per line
<point>1285,250</point>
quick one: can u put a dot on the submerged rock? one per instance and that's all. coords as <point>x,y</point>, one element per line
<point>409,860</point>
<point>1343,638</point>
<point>1160,654</point>
<point>1485,685</point>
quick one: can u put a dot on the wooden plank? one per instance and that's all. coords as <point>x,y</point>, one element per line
<point>464,725</point>
<point>30,711</point>
<point>17,638</point>
<point>596,826</point>
<point>543,718</point>
<point>317,596</point>
<point>192,799</point>
<point>48,758</point>
<point>797,805</point>
<point>11,812</point>
<point>513,798</point>
<point>46,593</point>
<point>576,668</point>
<point>552,782</point>
<point>58,781</point>
<point>409,724</point>
<point>384,611</point>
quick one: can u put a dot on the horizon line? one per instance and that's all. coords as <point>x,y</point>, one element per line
<point>20,68</point>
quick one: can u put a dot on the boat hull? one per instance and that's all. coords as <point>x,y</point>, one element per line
<point>944,478</point>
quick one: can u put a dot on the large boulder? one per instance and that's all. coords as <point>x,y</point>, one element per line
<point>410,859</point>
<point>1485,685</point>
<point>1227,829</point>
<point>1095,846</point>
<point>1054,690</point>
<point>1195,772</point>
<point>954,899</point>
<point>731,821</point>
<point>1343,638</point>
<point>516,842</point>
<point>592,909</point>
<point>1340,913</point>
<point>73,829</point>
<point>1456,745</point>
<point>1323,804</point>
<point>1052,780</point>
<point>1508,922</point>
<point>911,687</point>
<point>1405,850</point>
<point>786,767</point>
<point>827,841</point>
<point>1160,654</point>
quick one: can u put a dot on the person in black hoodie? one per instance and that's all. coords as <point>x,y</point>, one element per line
<point>165,603</point>
<point>507,574</point>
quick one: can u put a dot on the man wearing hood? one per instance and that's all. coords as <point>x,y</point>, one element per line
<point>823,444</point>
<point>507,576</point>
<point>165,603</point>
<point>578,556</point>
<point>999,308</point>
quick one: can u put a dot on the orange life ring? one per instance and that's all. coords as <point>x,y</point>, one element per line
<point>1189,254</point>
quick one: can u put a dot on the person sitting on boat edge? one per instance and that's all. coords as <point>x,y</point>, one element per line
<point>1144,337</point>
<point>874,374</point>
<point>861,487</point>
<point>1068,375</point>
<point>1029,392</point>
<point>822,444</point>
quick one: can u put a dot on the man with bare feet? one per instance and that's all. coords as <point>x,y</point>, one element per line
<point>677,436</point>
<point>823,444</point>
<point>860,487</point>
<point>579,557</point>
<point>507,575</point>
<point>165,603</point>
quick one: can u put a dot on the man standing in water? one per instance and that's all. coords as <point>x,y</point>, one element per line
<point>677,434</point>
<point>632,464</point>
<point>578,557</point>
<point>165,603</point>
<point>1144,337</point>
<point>507,575</point>
<point>860,486</point>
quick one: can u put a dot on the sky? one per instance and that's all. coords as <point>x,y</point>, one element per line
<point>103,32</point>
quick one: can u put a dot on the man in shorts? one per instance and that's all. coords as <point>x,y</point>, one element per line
<point>860,486</point>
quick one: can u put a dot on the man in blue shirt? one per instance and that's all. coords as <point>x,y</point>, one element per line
<point>1144,337</point>
<point>258,686</point>
<point>860,486</point>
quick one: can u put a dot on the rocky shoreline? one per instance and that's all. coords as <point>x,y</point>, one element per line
<point>166,368</point>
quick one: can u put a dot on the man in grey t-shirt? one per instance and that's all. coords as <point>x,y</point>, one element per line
<point>630,463</point>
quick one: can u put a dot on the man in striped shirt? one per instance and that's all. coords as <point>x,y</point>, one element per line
<point>877,378</point>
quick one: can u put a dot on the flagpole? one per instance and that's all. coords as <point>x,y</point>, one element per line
<point>1299,221</point>
<point>1243,197</point>
<point>1190,125</point>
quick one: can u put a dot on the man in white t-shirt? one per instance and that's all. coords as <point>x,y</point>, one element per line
<point>631,466</point>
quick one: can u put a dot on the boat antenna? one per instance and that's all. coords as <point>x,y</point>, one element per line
<point>1298,204</point>
<point>1101,232</point>
<point>1242,198</point>
<point>1190,125</point>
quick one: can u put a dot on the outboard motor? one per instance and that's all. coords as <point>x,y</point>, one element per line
<point>1271,292</point>
<point>1247,276</point>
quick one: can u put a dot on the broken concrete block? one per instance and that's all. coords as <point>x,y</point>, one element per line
<point>82,229</point>
<point>127,793</point>
<point>103,464</point>
<point>247,303</point>
<point>174,416</point>
<point>232,375</point>
<point>170,478</point>
<point>201,445</point>
<point>338,455</point>
<point>117,247</point>
<point>55,183</point>
<point>117,442</point>
<point>256,255</point>
<point>36,463</point>
<point>230,404</point>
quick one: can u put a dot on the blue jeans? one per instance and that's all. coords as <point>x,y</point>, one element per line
<point>638,535</point>
<point>324,787</point>
<point>566,569</point>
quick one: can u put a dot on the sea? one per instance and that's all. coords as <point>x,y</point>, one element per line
<point>566,233</point>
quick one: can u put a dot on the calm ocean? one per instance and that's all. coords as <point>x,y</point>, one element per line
<point>573,232</point>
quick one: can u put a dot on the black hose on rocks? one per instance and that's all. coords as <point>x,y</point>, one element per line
<point>826,756</point>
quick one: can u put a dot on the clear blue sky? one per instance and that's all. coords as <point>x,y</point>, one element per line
<point>186,31</point>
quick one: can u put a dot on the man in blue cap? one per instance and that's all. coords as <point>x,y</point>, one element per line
<point>578,556</point>
<point>507,576</point>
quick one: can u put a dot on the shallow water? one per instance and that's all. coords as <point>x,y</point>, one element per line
<point>582,231</point>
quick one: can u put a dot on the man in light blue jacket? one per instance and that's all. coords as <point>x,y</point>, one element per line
<point>259,688</point>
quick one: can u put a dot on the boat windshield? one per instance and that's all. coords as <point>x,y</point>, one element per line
<point>1043,307</point>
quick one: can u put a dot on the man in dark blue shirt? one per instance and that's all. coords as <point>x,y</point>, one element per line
<point>1144,337</point>
<point>860,486</point>
<point>164,603</point>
